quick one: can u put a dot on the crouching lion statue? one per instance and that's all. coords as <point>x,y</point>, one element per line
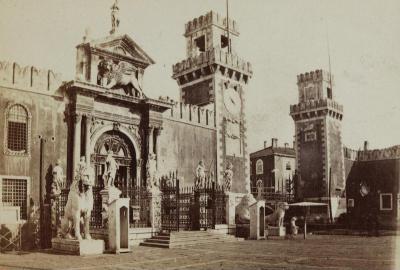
<point>276,218</point>
<point>79,205</point>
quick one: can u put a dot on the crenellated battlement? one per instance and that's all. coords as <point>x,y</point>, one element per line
<point>29,78</point>
<point>311,105</point>
<point>191,114</point>
<point>314,76</point>
<point>209,19</point>
<point>371,155</point>
<point>216,55</point>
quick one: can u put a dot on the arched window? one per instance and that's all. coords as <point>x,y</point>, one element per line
<point>17,131</point>
<point>259,167</point>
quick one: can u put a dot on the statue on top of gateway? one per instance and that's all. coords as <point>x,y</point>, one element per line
<point>114,17</point>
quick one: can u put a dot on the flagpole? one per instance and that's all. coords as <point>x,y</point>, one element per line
<point>227,26</point>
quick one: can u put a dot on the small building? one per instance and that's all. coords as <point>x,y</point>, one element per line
<point>275,166</point>
<point>372,184</point>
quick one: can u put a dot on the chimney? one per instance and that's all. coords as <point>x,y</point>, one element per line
<point>274,142</point>
<point>286,145</point>
<point>265,144</point>
<point>366,145</point>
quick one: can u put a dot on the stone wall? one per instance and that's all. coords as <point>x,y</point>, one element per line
<point>183,144</point>
<point>30,78</point>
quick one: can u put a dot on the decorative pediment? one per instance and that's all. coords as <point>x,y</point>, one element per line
<point>123,47</point>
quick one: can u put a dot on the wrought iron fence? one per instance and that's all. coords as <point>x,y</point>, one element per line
<point>139,205</point>
<point>191,208</point>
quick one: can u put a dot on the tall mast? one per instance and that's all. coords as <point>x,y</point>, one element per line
<point>329,58</point>
<point>227,26</point>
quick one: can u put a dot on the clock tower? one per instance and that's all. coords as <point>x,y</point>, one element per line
<point>319,148</point>
<point>213,77</point>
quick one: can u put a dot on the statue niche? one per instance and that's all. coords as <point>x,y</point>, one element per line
<point>119,75</point>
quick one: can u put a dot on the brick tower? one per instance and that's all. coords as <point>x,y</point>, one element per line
<point>318,135</point>
<point>212,76</point>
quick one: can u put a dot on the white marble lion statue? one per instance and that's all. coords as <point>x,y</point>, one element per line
<point>276,218</point>
<point>121,74</point>
<point>79,205</point>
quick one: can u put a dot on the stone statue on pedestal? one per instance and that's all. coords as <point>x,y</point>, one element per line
<point>200,175</point>
<point>79,203</point>
<point>276,218</point>
<point>228,176</point>
<point>110,171</point>
<point>243,209</point>
<point>114,17</point>
<point>58,179</point>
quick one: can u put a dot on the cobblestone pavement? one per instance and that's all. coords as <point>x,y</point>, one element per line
<point>317,252</point>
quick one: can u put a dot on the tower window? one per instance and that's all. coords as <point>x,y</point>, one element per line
<point>310,136</point>
<point>386,201</point>
<point>224,42</point>
<point>329,92</point>
<point>17,130</point>
<point>200,43</point>
<point>288,166</point>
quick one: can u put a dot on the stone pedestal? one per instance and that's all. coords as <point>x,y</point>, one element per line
<point>118,225</point>
<point>155,209</point>
<point>108,195</point>
<point>276,231</point>
<point>257,220</point>
<point>230,208</point>
<point>77,247</point>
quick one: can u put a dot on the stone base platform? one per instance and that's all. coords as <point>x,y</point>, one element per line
<point>77,247</point>
<point>276,231</point>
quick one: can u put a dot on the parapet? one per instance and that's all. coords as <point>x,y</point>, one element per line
<point>191,114</point>
<point>209,19</point>
<point>311,105</point>
<point>216,55</point>
<point>372,155</point>
<point>317,75</point>
<point>29,78</point>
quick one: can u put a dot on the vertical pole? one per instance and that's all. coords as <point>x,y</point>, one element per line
<point>330,196</point>
<point>227,26</point>
<point>41,191</point>
<point>214,205</point>
<point>305,222</point>
<point>177,204</point>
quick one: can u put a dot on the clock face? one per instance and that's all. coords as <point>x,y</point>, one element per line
<point>232,101</point>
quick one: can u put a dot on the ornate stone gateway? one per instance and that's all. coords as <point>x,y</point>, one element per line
<point>124,154</point>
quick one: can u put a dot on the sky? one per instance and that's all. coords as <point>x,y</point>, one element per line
<point>280,38</point>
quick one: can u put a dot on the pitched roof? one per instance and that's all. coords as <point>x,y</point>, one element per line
<point>271,151</point>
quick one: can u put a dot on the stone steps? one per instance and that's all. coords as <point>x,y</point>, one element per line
<point>188,238</point>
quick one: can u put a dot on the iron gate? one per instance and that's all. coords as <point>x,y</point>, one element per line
<point>191,208</point>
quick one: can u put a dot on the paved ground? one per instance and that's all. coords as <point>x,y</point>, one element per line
<point>317,252</point>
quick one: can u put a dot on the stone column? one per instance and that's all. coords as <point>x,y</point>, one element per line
<point>87,138</point>
<point>150,139</point>
<point>77,142</point>
<point>157,133</point>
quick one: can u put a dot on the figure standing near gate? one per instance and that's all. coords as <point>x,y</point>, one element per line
<point>200,175</point>
<point>110,171</point>
<point>228,176</point>
<point>58,179</point>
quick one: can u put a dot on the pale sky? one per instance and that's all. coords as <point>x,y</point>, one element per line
<point>280,38</point>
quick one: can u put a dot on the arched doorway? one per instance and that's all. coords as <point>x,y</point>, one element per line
<point>124,154</point>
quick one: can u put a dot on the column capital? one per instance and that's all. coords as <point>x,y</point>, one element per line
<point>77,117</point>
<point>157,131</point>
